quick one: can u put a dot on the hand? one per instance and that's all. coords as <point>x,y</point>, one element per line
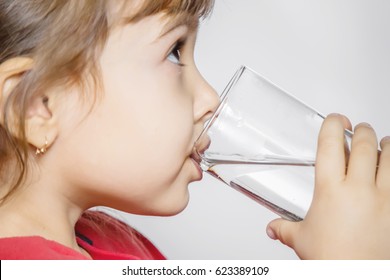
<point>349,217</point>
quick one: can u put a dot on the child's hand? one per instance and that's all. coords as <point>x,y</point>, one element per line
<point>350,214</point>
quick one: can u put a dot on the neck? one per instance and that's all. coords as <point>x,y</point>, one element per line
<point>31,212</point>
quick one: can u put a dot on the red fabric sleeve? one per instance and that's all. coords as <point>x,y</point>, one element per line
<point>101,235</point>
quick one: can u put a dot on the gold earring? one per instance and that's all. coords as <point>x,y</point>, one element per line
<point>42,150</point>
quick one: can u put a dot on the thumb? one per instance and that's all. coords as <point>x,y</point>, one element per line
<point>283,230</point>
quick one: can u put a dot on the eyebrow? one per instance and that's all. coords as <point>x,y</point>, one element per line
<point>192,22</point>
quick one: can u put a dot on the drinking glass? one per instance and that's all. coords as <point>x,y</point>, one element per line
<point>262,142</point>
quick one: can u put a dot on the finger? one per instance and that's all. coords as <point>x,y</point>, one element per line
<point>330,163</point>
<point>346,122</point>
<point>283,230</point>
<point>363,158</point>
<point>383,175</point>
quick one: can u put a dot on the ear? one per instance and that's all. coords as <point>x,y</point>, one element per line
<point>41,127</point>
<point>41,123</point>
<point>10,72</point>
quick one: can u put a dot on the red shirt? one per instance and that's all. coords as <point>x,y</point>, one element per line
<point>102,236</point>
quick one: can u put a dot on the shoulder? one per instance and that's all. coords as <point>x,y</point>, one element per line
<point>34,248</point>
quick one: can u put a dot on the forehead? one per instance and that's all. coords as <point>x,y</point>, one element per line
<point>171,22</point>
<point>155,23</point>
<point>177,12</point>
<point>196,8</point>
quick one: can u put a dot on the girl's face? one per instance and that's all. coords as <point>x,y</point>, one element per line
<point>132,151</point>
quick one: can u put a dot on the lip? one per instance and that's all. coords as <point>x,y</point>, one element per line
<point>200,171</point>
<point>200,146</point>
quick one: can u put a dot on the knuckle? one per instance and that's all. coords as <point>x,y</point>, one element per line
<point>364,145</point>
<point>328,143</point>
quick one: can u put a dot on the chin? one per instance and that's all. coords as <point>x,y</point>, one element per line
<point>171,207</point>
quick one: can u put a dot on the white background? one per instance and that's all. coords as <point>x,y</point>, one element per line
<point>331,54</point>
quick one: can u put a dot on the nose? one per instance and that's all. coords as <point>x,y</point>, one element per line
<point>206,99</point>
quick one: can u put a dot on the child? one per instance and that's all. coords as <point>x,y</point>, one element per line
<point>101,103</point>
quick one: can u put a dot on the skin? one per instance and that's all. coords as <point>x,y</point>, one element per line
<point>132,151</point>
<point>349,215</point>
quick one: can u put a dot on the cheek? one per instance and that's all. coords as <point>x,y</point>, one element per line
<point>134,146</point>
<point>164,138</point>
<point>160,120</point>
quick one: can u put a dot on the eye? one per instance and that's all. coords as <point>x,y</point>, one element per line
<point>174,55</point>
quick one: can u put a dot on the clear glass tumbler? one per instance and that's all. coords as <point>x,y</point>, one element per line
<point>262,142</point>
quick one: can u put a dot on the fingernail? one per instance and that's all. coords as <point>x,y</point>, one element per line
<point>363,124</point>
<point>271,233</point>
<point>385,139</point>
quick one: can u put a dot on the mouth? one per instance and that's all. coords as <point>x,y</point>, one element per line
<point>198,168</point>
<point>195,156</point>
<point>200,146</point>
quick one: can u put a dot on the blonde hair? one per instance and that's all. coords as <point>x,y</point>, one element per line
<point>65,39</point>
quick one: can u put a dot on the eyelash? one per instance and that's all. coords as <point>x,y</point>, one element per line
<point>176,52</point>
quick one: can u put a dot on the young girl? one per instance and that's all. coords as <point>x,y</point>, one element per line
<point>100,104</point>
